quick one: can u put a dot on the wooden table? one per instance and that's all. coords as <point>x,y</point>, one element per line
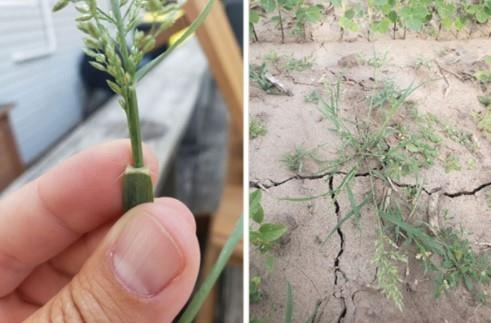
<point>166,99</point>
<point>10,162</point>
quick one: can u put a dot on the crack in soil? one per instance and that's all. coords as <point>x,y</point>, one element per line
<point>337,269</point>
<point>272,183</point>
<point>447,194</point>
<point>472,192</point>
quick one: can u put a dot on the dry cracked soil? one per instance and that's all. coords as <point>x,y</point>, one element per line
<point>336,280</point>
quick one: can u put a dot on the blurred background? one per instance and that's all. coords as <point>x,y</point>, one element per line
<point>54,104</point>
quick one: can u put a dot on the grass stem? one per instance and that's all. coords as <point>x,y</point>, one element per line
<point>200,296</point>
<point>130,94</point>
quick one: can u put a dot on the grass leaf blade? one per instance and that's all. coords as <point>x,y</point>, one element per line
<point>289,305</point>
<point>205,288</point>
<point>348,216</point>
<point>140,74</point>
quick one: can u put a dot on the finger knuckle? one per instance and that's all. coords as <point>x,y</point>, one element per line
<point>84,302</point>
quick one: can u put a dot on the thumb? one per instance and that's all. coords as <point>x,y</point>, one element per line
<point>143,271</point>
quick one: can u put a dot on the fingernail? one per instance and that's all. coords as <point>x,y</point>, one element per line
<point>145,256</point>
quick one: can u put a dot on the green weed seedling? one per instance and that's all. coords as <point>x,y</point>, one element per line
<point>257,74</point>
<point>461,265</point>
<point>272,58</point>
<point>471,164</point>
<point>314,96</point>
<point>288,62</point>
<point>294,160</point>
<point>387,95</point>
<point>377,61</point>
<point>256,128</point>
<point>255,292</point>
<point>298,64</point>
<point>422,62</point>
<point>484,120</point>
<point>452,163</point>
<point>483,76</point>
<point>462,137</point>
<point>263,236</point>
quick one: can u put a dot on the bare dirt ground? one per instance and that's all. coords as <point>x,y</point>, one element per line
<point>338,277</point>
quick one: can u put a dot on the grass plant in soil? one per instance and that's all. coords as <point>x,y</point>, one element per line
<point>385,149</point>
<point>295,159</point>
<point>257,74</point>
<point>257,128</point>
<point>483,76</point>
<point>105,37</point>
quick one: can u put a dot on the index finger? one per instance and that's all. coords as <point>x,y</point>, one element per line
<point>47,215</point>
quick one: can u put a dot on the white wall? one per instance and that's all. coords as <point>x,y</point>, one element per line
<point>46,90</point>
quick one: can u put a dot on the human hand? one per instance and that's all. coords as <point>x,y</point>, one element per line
<point>67,254</point>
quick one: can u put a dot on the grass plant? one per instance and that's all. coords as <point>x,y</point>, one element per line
<point>105,38</point>
<point>386,150</point>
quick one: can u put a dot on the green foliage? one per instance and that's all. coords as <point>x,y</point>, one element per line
<point>256,128</point>
<point>289,305</point>
<point>484,100</point>
<point>294,160</point>
<point>479,11</point>
<point>383,16</point>
<point>415,14</point>
<point>254,18</point>
<point>461,265</point>
<point>483,76</point>
<point>256,210</point>
<point>272,58</point>
<point>106,32</point>
<point>452,163</point>
<point>298,12</point>
<point>305,13</point>
<point>462,137</point>
<point>289,62</point>
<point>458,263</point>
<point>422,62</point>
<point>313,97</point>
<point>385,96</point>
<point>266,235</point>
<point>484,120</point>
<point>257,74</point>
<point>350,16</point>
<point>298,64</point>
<point>255,292</point>
<point>387,149</point>
<point>378,61</point>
